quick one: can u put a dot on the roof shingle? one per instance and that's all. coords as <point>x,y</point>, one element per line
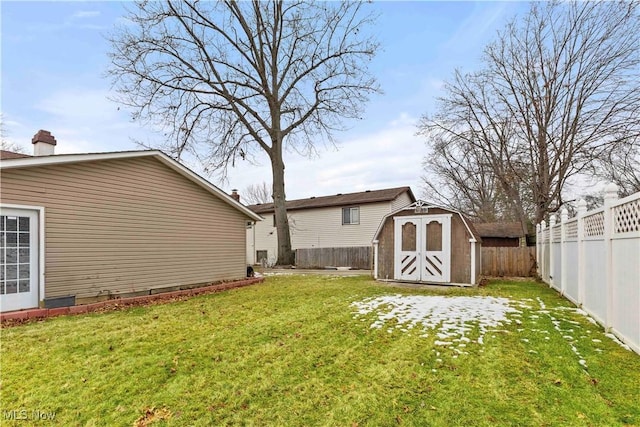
<point>363,197</point>
<point>4,154</point>
<point>499,229</point>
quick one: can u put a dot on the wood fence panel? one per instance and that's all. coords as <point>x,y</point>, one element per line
<point>509,261</point>
<point>355,257</point>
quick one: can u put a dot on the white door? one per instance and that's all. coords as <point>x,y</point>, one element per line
<point>407,248</point>
<point>423,248</point>
<point>18,259</point>
<point>436,248</point>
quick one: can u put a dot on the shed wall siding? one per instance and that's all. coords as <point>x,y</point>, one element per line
<point>460,247</point>
<point>129,225</point>
<point>323,228</point>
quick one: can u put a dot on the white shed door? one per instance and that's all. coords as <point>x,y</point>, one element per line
<point>423,248</point>
<point>18,259</point>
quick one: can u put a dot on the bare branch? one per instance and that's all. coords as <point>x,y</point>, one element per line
<point>227,80</point>
<point>558,94</point>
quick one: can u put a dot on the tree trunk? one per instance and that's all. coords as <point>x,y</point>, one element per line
<point>285,255</point>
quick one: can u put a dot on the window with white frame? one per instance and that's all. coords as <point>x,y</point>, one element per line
<point>350,215</point>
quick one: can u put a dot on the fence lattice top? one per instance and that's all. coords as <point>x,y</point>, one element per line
<point>626,217</point>
<point>594,225</point>
<point>571,229</point>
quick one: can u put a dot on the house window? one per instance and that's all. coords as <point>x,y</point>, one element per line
<point>274,220</point>
<point>261,256</point>
<point>350,215</point>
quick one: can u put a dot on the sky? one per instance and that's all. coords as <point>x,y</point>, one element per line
<point>54,63</point>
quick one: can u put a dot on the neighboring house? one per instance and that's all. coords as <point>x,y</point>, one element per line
<point>422,243</point>
<point>4,155</point>
<point>79,228</point>
<point>339,221</point>
<point>501,234</point>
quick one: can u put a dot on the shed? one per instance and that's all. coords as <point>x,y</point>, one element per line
<point>81,228</point>
<point>423,243</point>
<point>501,234</point>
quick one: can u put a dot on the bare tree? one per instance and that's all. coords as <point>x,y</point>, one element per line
<point>5,143</point>
<point>558,91</point>
<point>228,80</point>
<point>257,193</point>
<point>458,179</point>
<point>622,167</point>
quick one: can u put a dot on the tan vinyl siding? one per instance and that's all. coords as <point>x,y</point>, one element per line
<point>266,237</point>
<point>128,225</point>
<point>323,228</point>
<point>400,202</point>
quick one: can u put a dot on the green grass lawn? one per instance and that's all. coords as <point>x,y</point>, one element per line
<point>291,352</point>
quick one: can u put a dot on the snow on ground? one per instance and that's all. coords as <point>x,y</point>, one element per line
<point>451,319</point>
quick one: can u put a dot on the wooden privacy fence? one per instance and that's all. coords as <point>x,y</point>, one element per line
<point>509,261</point>
<point>594,261</point>
<point>355,257</point>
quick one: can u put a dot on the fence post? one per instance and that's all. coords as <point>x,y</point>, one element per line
<point>564,217</point>
<point>538,256</point>
<point>582,210</point>
<point>552,224</point>
<point>543,250</point>
<point>610,196</point>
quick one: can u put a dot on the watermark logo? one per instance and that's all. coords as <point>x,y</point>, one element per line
<point>28,415</point>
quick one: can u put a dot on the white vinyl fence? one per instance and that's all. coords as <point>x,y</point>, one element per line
<point>594,261</point>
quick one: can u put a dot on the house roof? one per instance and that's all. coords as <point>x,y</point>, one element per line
<point>500,229</point>
<point>61,159</point>
<point>347,199</point>
<point>4,154</point>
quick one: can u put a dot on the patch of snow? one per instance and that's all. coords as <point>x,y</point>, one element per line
<point>451,317</point>
<point>617,341</point>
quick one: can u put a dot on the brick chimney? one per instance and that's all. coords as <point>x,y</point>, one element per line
<point>235,195</point>
<point>44,143</point>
